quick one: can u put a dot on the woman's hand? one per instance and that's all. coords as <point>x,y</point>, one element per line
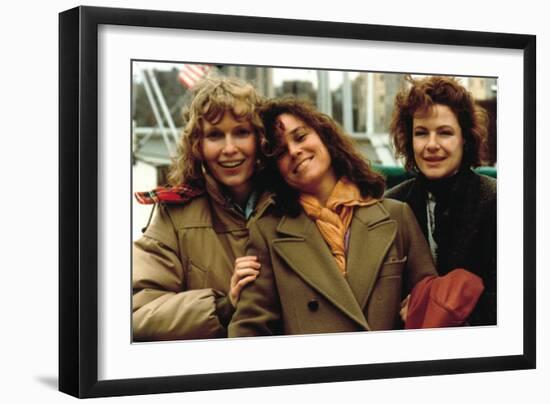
<point>405,308</point>
<point>246,270</point>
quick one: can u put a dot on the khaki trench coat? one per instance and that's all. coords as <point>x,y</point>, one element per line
<point>300,289</point>
<point>182,266</point>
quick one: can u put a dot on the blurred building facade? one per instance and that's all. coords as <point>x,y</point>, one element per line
<point>376,91</point>
<point>363,105</point>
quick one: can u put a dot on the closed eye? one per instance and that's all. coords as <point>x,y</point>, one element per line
<point>214,135</point>
<point>420,132</point>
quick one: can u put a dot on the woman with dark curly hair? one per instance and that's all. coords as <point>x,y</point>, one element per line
<point>190,265</point>
<point>334,255</point>
<point>441,134</point>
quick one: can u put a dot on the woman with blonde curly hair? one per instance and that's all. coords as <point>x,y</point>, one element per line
<point>190,265</point>
<point>441,134</point>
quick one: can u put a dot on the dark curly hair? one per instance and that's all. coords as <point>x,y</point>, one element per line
<point>422,96</point>
<point>346,160</point>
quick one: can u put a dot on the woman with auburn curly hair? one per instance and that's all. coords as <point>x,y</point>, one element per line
<point>441,133</point>
<point>190,263</point>
<point>334,255</point>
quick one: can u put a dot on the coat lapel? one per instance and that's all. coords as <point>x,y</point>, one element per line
<point>416,198</point>
<point>372,234</point>
<point>306,253</point>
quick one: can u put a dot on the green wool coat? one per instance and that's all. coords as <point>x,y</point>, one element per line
<point>300,289</point>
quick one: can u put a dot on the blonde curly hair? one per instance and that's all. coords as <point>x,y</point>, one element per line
<point>212,98</point>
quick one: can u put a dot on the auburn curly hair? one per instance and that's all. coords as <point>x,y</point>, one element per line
<point>421,97</point>
<point>346,159</point>
<point>212,98</point>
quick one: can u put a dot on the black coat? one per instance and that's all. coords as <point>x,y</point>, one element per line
<point>467,227</point>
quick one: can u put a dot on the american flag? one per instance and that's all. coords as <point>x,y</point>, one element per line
<point>190,75</point>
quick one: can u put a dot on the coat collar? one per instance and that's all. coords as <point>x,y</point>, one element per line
<point>225,216</point>
<point>265,200</point>
<point>416,198</point>
<point>304,250</point>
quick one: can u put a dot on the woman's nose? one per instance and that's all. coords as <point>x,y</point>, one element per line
<point>432,142</point>
<point>229,146</point>
<point>294,149</point>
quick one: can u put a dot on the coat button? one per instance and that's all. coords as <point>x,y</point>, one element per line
<point>313,305</point>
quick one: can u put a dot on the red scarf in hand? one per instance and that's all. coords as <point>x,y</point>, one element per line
<point>443,301</point>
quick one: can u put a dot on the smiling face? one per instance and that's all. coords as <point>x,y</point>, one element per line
<point>438,143</point>
<point>229,152</point>
<point>304,161</point>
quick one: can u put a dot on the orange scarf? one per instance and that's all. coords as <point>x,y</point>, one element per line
<point>333,220</point>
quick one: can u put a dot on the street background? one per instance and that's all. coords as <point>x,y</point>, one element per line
<point>29,68</point>
<point>361,102</point>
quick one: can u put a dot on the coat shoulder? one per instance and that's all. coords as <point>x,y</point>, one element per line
<point>392,205</point>
<point>168,219</point>
<point>382,210</point>
<point>395,208</point>
<point>194,213</point>
<point>400,191</point>
<point>487,188</point>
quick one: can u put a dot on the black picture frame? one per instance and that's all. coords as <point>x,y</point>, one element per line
<point>78,196</point>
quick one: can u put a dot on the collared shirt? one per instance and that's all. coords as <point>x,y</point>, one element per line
<point>216,193</point>
<point>248,207</point>
<point>430,214</point>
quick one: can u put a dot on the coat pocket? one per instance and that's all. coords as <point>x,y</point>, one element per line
<point>383,308</point>
<point>392,267</point>
<point>388,284</point>
<point>196,276</point>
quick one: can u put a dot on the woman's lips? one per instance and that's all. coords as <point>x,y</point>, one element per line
<point>302,164</point>
<point>433,159</point>
<point>231,164</point>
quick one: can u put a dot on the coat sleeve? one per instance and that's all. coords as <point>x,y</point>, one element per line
<point>161,307</point>
<point>258,310</point>
<point>420,262</point>
<point>485,312</point>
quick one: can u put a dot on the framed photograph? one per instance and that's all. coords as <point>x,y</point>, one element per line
<point>118,134</point>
